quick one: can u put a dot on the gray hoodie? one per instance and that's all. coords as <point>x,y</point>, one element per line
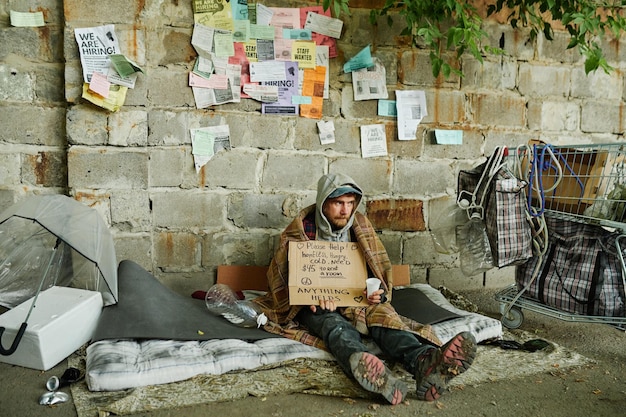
<point>334,185</point>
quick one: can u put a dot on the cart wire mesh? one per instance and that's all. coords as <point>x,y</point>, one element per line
<point>582,183</point>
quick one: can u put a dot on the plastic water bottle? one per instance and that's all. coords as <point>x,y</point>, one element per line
<point>475,251</point>
<point>443,225</point>
<point>221,300</point>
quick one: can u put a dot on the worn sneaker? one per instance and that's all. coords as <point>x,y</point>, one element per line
<point>436,368</point>
<point>372,374</point>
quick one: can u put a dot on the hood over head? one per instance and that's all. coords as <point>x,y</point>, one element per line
<point>333,186</point>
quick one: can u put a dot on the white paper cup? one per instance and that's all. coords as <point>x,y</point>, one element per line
<point>373,284</point>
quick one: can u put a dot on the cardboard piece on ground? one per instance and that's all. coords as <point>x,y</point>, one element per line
<point>320,270</point>
<point>254,277</point>
<point>62,321</point>
<point>243,277</point>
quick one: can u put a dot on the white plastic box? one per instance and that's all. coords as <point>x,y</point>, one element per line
<point>62,321</point>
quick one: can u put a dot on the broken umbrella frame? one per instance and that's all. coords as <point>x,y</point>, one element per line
<point>79,242</point>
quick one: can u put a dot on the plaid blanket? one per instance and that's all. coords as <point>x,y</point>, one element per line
<point>281,314</point>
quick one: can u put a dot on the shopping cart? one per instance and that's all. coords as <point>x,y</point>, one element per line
<point>578,183</point>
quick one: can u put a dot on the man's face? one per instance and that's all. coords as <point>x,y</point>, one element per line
<point>338,210</point>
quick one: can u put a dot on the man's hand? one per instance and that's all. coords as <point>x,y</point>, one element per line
<point>376,297</point>
<point>328,305</point>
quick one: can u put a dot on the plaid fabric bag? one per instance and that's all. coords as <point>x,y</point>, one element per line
<point>580,273</point>
<point>502,200</point>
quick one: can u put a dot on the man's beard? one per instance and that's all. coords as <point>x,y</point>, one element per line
<point>339,223</point>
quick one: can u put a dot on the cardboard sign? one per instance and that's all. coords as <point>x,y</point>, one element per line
<point>320,270</point>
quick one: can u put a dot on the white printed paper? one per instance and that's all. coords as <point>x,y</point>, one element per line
<point>217,137</point>
<point>95,44</point>
<point>267,71</point>
<point>323,24</point>
<point>326,132</point>
<point>373,141</point>
<point>370,83</point>
<point>264,93</point>
<point>202,40</point>
<point>411,108</point>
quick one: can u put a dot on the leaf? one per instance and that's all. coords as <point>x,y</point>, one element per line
<point>373,17</point>
<point>446,70</point>
<point>591,64</point>
<point>436,66</point>
<point>547,32</point>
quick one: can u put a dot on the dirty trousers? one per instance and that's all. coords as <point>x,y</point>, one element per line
<point>342,339</point>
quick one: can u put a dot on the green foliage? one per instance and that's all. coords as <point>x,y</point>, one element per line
<point>456,25</point>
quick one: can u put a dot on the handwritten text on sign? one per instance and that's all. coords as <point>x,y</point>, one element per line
<point>321,270</point>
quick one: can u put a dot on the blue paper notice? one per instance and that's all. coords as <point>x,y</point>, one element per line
<point>361,60</point>
<point>449,137</point>
<point>387,108</point>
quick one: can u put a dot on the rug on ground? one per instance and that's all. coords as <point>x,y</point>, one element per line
<point>303,375</point>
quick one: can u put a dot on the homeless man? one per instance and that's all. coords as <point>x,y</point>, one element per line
<point>334,217</point>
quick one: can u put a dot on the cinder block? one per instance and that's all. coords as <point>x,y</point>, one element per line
<point>177,251</point>
<point>169,87</point>
<point>7,199</point>
<point>495,138</point>
<point>446,106</point>
<point>559,116</point>
<point>602,116</point>
<point>98,200</point>
<point>73,81</point>
<point>167,165</point>
<point>498,110</point>
<point>49,129</point>
<point>372,174</point>
<point>263,132</point>
<point>249,248</point>
<point>16,84</point>
<point>86,126</point>
<point>49,83</point>
<point>493,75</point>
<point>170,46</point>
<point>292,171</point>
<point>597,85</point>
<point>125,11</point>
<point>107,168</point>
<point>130,210</point>
<point>356,109</point>
<point>393,243</point>
<point>250,211</point>
<point>347,137</point>
<point>471,147</point>
<point>136,247</point>
<point>138,96</point>
<point>418,249</point>
<point>235,169</point>
<point>166,127</point>
<point>188,209</point>
<point>543,80</point>
<point>10,167</point>
<point>513,41</point>
<point>128,128</point>
<point>555,50</point>
<point>500,277</point>
<point>46,169</point>
<point>22,41</point>
<point>415,68</point>
<point>423,178</point>
<point>454,279</point>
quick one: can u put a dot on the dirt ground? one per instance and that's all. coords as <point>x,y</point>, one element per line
<point>598,389</point>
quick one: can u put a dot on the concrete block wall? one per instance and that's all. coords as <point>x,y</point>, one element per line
<point>136,168</point>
